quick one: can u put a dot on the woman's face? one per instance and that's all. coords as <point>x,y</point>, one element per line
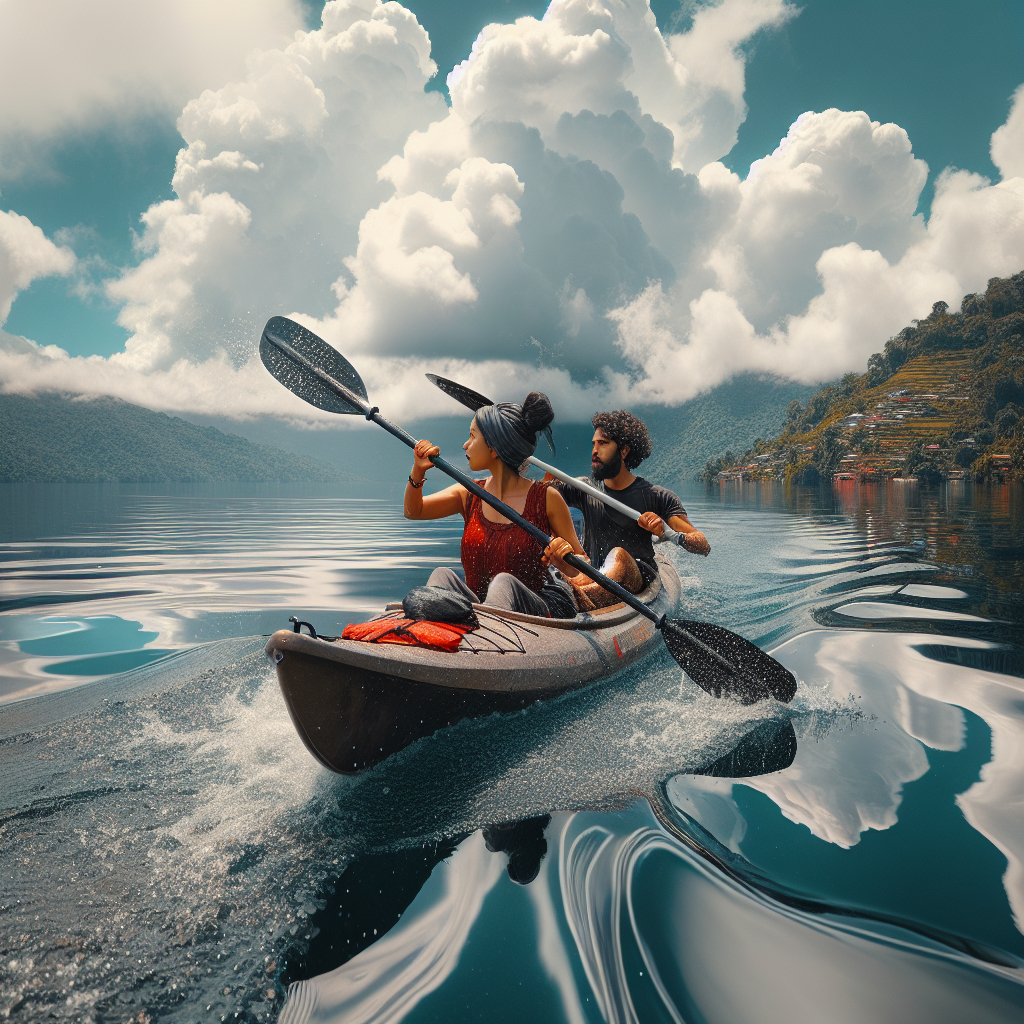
<point>480,456</point>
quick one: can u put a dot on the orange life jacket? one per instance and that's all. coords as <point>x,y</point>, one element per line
<point>439,636</point>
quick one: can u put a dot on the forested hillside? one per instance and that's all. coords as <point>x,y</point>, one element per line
<point>944,399</point>
<point>55,437</point>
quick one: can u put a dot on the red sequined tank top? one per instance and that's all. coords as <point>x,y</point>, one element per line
<point>489,548</point>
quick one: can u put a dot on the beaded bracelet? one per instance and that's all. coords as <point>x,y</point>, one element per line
<point>417,485</point>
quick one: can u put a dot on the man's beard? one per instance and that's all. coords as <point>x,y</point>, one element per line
<point>606,470</point>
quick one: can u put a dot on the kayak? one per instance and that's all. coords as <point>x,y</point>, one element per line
<point>355,703</point>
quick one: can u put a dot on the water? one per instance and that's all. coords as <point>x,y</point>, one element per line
<point>170,851</point>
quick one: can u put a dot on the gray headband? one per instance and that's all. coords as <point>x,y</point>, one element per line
<point>504,427</point>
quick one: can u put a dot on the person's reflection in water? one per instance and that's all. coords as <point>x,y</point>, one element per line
<point>523,842</point>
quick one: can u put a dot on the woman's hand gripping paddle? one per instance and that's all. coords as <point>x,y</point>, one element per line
<point>689,641</point>
<point>311,369</point>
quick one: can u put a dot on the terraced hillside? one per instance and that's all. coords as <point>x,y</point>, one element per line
<point>943,400</point>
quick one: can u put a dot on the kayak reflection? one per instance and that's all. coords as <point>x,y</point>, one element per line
<point>373,893</point>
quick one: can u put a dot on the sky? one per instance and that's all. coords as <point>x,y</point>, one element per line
<point>615,202</point>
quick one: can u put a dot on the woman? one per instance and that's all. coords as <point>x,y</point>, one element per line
<point>504,566</point>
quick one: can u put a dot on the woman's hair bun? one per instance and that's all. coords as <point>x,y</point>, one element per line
<point>537,411</point>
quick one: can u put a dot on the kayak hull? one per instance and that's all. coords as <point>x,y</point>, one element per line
<point>353,703</point>
<point>351,719</point>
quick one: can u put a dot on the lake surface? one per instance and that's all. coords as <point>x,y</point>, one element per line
<point>635,852</point>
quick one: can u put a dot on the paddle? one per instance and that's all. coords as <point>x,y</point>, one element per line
<point>700,634</point>
<point>474,400</point>
<point>311,369</point>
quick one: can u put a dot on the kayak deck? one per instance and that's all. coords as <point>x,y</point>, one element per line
<point>355,703</point>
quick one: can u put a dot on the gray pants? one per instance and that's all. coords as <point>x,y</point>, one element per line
<point>506,591</point>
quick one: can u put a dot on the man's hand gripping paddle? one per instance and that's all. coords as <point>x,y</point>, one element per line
<point>318,374</point>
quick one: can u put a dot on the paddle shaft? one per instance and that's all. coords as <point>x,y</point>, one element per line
<point>475,401</point>
<point>669,534</point>
<point>373,413</point>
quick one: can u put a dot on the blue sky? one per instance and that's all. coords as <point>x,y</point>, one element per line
<point>943,72</point>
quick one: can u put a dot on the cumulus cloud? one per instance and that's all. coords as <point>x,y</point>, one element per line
<point>837,175</point>
<point>25,255</point>
<point>609,57</point>
<point>714,69</point>
<point>65,63</point>
<point>565,224</point>
<point>1007,147</point>
<point>479,262</point>
<point>277,172</point>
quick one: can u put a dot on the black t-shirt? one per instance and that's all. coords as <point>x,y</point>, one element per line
<point>604,528</point>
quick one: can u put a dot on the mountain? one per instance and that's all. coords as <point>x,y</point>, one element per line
<point>732,415</point>
<point>945,399</point>
<point>729,417</point>
<point>58,437</point>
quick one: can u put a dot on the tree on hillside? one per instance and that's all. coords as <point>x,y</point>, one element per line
<point>829,451</point>
<point>1007,419</point>
<point>793,413</point>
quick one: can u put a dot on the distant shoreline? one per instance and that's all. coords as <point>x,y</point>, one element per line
<point>55,437</point>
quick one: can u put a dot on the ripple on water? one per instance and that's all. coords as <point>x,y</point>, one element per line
<point>173,850</point>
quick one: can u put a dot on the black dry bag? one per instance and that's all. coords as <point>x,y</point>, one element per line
<point>436,604</point>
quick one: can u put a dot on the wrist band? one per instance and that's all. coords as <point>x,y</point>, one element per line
<point>417,485</point>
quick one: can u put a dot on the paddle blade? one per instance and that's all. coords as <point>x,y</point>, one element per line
<point>466,396</point>
<point>726,664</point>
<point>474,400</point>
<point>297,378</point>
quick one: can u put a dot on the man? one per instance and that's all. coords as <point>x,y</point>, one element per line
<point>622,548</point>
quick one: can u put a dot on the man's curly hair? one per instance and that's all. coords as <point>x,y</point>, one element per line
<point>625,429</point>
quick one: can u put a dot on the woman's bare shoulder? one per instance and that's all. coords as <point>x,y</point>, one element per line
<point>553,497</point>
